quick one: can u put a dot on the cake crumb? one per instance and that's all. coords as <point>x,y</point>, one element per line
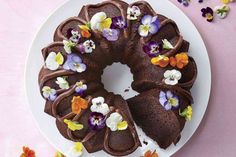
<point>126,90</point>
<point>145,142</point>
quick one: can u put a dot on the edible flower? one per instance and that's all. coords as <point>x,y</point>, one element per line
<point>208,13</point>
<point>74,63</point>
<point>99,105</point>
<point>160,60</point>
<point>187,113</point>
<point>118,23</point>
<point>80,88</point>
<point>96,121</point>
<point>59,154</point>
<point>149,24</point>
<point>133,12</point>
<point>115,122</point>
<point>111,34</point>
<point>99,21</point>
<point>76,151</point>
<point>49,93</point>
<point>180,60</point>
<point>87,47</point>
<point>73,35</point>
<point>222,11</point>
<point>63,84</point>
<point>73,125</point>
<point>53,60</point>
<point>27,152</point>
<point>78,104</point>
<point>227,1</point>
<point>167,45</point>
<point>168,100</point>
<point>152,48</point>
<point>68,45</point>
<point>171,77</point>
<point>184,2</point>
<point>150,154</point>
<point>85,31</point>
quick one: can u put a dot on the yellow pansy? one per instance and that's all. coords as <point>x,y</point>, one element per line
<point>59,58</point>
<point>187,113</point>
<point>122,125</point>
<point>73,125</point>
<point>99,22</point>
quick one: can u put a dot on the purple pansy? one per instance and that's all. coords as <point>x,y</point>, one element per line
<point>74,63</point>
<point>152,48</point>
<point>208,13</point>
<point>49,93</point>
<point>118,23</point>
<point>73,35</point>
<point>80,88</point>
<point>184,2</point>
<point>150,25</point>
<point>111,34</point>
<point>97,121</point>
<point>168,100</point>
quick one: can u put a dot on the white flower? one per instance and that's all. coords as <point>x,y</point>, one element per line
<point>115,122</point>
<point>172,77</point>
<point>167,45</point>
<point>222,11</point>
<point>63,84</point>
<point>53,60</point>
<point>99,21</point>
<point>133,13</point>
<point>76,151</point>
<point>89,46</point>
<point>75,36</point>
<point>49,93</point>
<point>99,106</point>
<point>68,45</point>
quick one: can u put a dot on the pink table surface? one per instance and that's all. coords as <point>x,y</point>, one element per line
<point>20,20</point>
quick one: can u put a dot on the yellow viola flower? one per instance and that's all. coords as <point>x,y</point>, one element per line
<point>73,125</point>
<point>76,150</point>
<point>122,125</point>
<point>187,113</point>
<point>99,22</point>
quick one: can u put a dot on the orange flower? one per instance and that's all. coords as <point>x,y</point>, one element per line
<point>161,60</point>
<point>150,154</point>
<point>78,103</point>
<point>27,152</point>
<point>181,59</point>
<point>85,31</point>
<point>173,61</point>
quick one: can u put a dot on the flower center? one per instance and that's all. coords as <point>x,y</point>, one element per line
<point>155,49</point>
<point>172,101</point>
<point>96,120</point>
<point>146,28</point>
<point>77,65</point>
<point>209,16</point>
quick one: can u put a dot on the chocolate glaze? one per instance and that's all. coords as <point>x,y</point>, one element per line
<point>147,80</point>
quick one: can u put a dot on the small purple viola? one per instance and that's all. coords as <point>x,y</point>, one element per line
<point>208,13</point>
<point>74,63</point>
<point>184,2</point>
<point>80,88</point>
<point>118,23</point>
<point>152,48</point>
<point>168,100</point>
<point>73,35</point>
<point>111,34</point>
<point>97,121</point>
<point>150,25</point>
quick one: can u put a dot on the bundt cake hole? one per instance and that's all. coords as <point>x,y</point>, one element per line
<point>117,78</point>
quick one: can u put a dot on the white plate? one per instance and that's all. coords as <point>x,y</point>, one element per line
<point>200,90</point>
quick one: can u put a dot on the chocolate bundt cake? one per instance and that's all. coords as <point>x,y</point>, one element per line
<point>134,35</point>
